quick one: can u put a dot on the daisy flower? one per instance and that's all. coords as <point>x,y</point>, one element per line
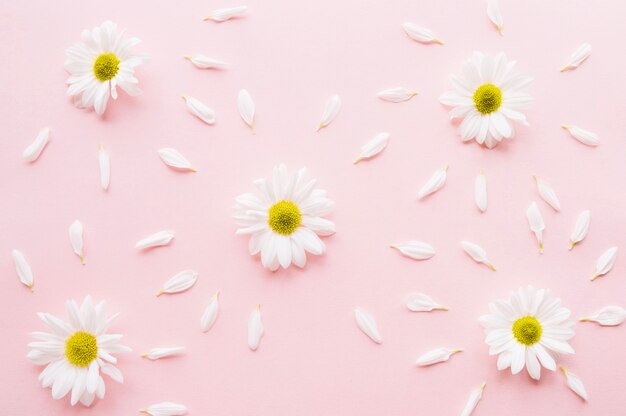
<point>529,329</point>
<point>75,353</point>
<point>100,63</point>
<point>487,97</point>
<point>285,221</point>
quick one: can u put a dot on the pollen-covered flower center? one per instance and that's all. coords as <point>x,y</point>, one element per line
<point>284,217</point>
<point>81,349</point>
<point>487,98</point>
<point>106,66</point>
<point>527,330</point>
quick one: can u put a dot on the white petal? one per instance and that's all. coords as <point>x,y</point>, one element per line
<point>417,250</point>
<point>477,253</point>
<point>397,94</point>
<point>608,316</point>
<point>493,11</point>
<point>438,355</point>
<point>162,352</point>
<point>583,52</point>
<point>605,263</point>
<point>473,400</point>
<point>165,409</point>
<point>161,238</point>
<point>420,34</point>
<point>173,158</point>
<point>367,324</point>
<point>221,15</point>
<point>246,108</point>
<point>204,62</point>
<point>580,229</point>
<point>210,313</point>
<point>112,371</point>
<point>435,183</point>
<point>535,220</point>
<point>179,282</point>
<point>22,268</point>
<point>480,192</point>
<point>199,109</point>
<point>105,168</point>
<point>547,193</point>
<point>420,302</point>
<point>330,112</point>
<point>76,239</point>
<point>374,146</point>
<point>255,328</point>
<point>582,135</point>
<point>575,383</point>
<point>32,152</point>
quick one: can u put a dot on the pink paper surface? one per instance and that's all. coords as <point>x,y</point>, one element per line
<point>292,56</point>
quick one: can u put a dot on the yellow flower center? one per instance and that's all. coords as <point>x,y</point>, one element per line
<point>284,217</point>
<point>81,349</point>
<point>487,98</point>
<point>527,330</point>
<point>106,66</point>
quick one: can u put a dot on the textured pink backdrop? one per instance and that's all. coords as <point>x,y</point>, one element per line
<point>291,56</point>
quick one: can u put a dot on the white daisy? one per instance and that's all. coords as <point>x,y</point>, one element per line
<point>284,222</point>
<point>487,97</point>
<point>529,329</point>
<point>100,63</point>
<point>76,352</point>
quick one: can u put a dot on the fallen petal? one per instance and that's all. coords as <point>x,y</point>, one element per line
<point>373,147</point>
<point>438,355</point>
<point>199,109</point>
<point>397,94</point>
<point>179,282</point>
<point>171,157</point>
<point>32,152</point>
<point>367,324</point>
<point>330,112</point>
<point>535,220</point>
<point>420,34</point>
<point>420,302</point>
<point>255,328</point>
<point>605,263</point>
<point>578,57</point>
<point>612,315</point>
<point>162,352</point>
<point>161,238</point>
<point>210,313</point>
<point>417,250</point>
<point>204,62</point>
<point>435,183</point>
<point>477,253</point>
<point>580,229</point>
<point>582,135</point>
<point>222,15</point>
<point>575,383</point>
<point>76,239</point>
<point>22,268</point>
<point>480,191</point>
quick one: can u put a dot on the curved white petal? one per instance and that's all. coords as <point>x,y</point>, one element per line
<point>493,11</point>
<point>535,221</point>
<point>227,13</point>
<point>605,263</point>
<point>435,183</point>
<point>396,94</point>
<point>417,250</point>
<point>575,383</point>
<point>199,109</point>
<point>180,282</point>
<point>255,328</point>
<point>366,322</point>
<point>32,152</point>
<point>580,229</point>
<point>105,167</point>
<point>204,62</point>
<point>420,34</point>
<point>22,268</point>
<point>165,409</point>
<point>210,313</point>
<point>172,157</point>
<point>330,111</point>
<point>373,147</point>
<point>473,400</point>
<point>161,238</point>
<point>578,57</point>
<point>420,302</point>
<point>477,253</point>
<point>246,108</point>
<point>162,352</point>
<point>547,193</point>
<point>611,315</point>
<point>582,135</point>
<point>435,356</point>
<point>76,239</point>
<point>480,191</point>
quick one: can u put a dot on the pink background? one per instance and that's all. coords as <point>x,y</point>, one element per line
<point>291,56</point>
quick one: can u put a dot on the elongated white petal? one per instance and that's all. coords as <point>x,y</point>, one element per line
<point>255,328</point>
<point>420,302</point>
<point>227,13</point>
<point>580,229</point>
<point>162,238</point>
<point>76,239</point>
<point>374,146</point>
<point>547,193</point>
<point>480,191</point>
<point>611,315</point>
<point>578,57</point>
<point>330,111</point>
<point>246,108</point>
<point>165,409</point>
<point>582,135</point>
<point>105,168</point>
<point>417,250</point>
<point>367,324</point>
<point>477,253</point>
<point>605,263</point>
<point>162,352</point>
<point>435,183</point>
<point>210,313</point>
<point>171,157</point>
<point>199,109</point>
<point>204,62</point>
<point>420,34</point>
<point>493,11</point>
<point>396,94</point>
<point>535,221</point>
<point>575,383</point>
<point>435,356</point>
<point>32,152</point>
<point>22,268</point>
<point>473,400</point>
<point>180,282</point>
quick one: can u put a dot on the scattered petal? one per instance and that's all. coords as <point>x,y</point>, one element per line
<point>171,157</point>
<point>76,239</point>
<point>210,313</point>
<point>367,324</point>
<point>435,183</point>
<point>162,352</point>
<point>204,62</point>
<point>165,409</point>
<point>246,108</point>
<point>32,152</point>
<point>605,263</point>
<point>374,146</point>
<point>578,57</point>
<point>535,220</point>
<point>493,11</point>
<point>397,94</point>
<point>414,249</point>
<point>179,282</point>
<point>438,355</point>
<point>199,109</point>
<point>580,229</point>
<point>547,193</point>
<point>420,302</point>
<point>227,13</point>
<point>22,268</point>
<point>330,112</point>
<point>480,191</point>
<point>477,253</point>
<point>608,316</point>
<point>162,238</point>
<point>583,136</point>
<point>473,400</point>
<point>575,383</point>
<point>420,34</point>
<point>255,328</point>
<point>105,168</point>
